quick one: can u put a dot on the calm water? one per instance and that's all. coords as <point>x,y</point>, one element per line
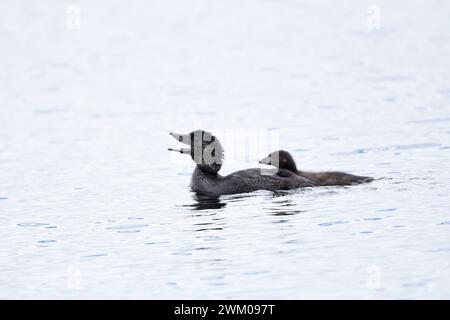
<point>93,206</point>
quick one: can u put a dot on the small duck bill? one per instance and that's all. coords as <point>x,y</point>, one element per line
<point>183,138</point>
<point>266,160</point>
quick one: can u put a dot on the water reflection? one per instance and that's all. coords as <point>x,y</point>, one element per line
<point>281,193</point>
<point>203,202</point>
<point>283,208</point>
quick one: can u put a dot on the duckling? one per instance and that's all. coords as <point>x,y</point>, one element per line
<point>283,160</point>
<point>208,154</point>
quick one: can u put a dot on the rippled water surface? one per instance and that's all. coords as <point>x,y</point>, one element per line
<point>93,206</point>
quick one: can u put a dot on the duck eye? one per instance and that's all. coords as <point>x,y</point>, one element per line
<point>180,139</point>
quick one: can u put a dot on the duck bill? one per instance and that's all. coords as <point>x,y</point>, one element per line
<point>266,160</point>
<point>182,150</point>
<point>183,138</point>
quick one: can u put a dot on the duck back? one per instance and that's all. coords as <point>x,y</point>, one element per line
<point>334,178</point>
<point>244,181</point>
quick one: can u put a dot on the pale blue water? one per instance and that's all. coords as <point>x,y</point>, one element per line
<point>93,206</point>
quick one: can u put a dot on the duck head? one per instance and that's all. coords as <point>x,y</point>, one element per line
<point>280,159</point>
<point>204,148</point>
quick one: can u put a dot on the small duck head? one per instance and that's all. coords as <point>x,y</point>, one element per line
<point>204,148</point>
<point>280,159</point>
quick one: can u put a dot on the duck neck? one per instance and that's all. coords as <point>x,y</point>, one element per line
<point>209,169</point>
